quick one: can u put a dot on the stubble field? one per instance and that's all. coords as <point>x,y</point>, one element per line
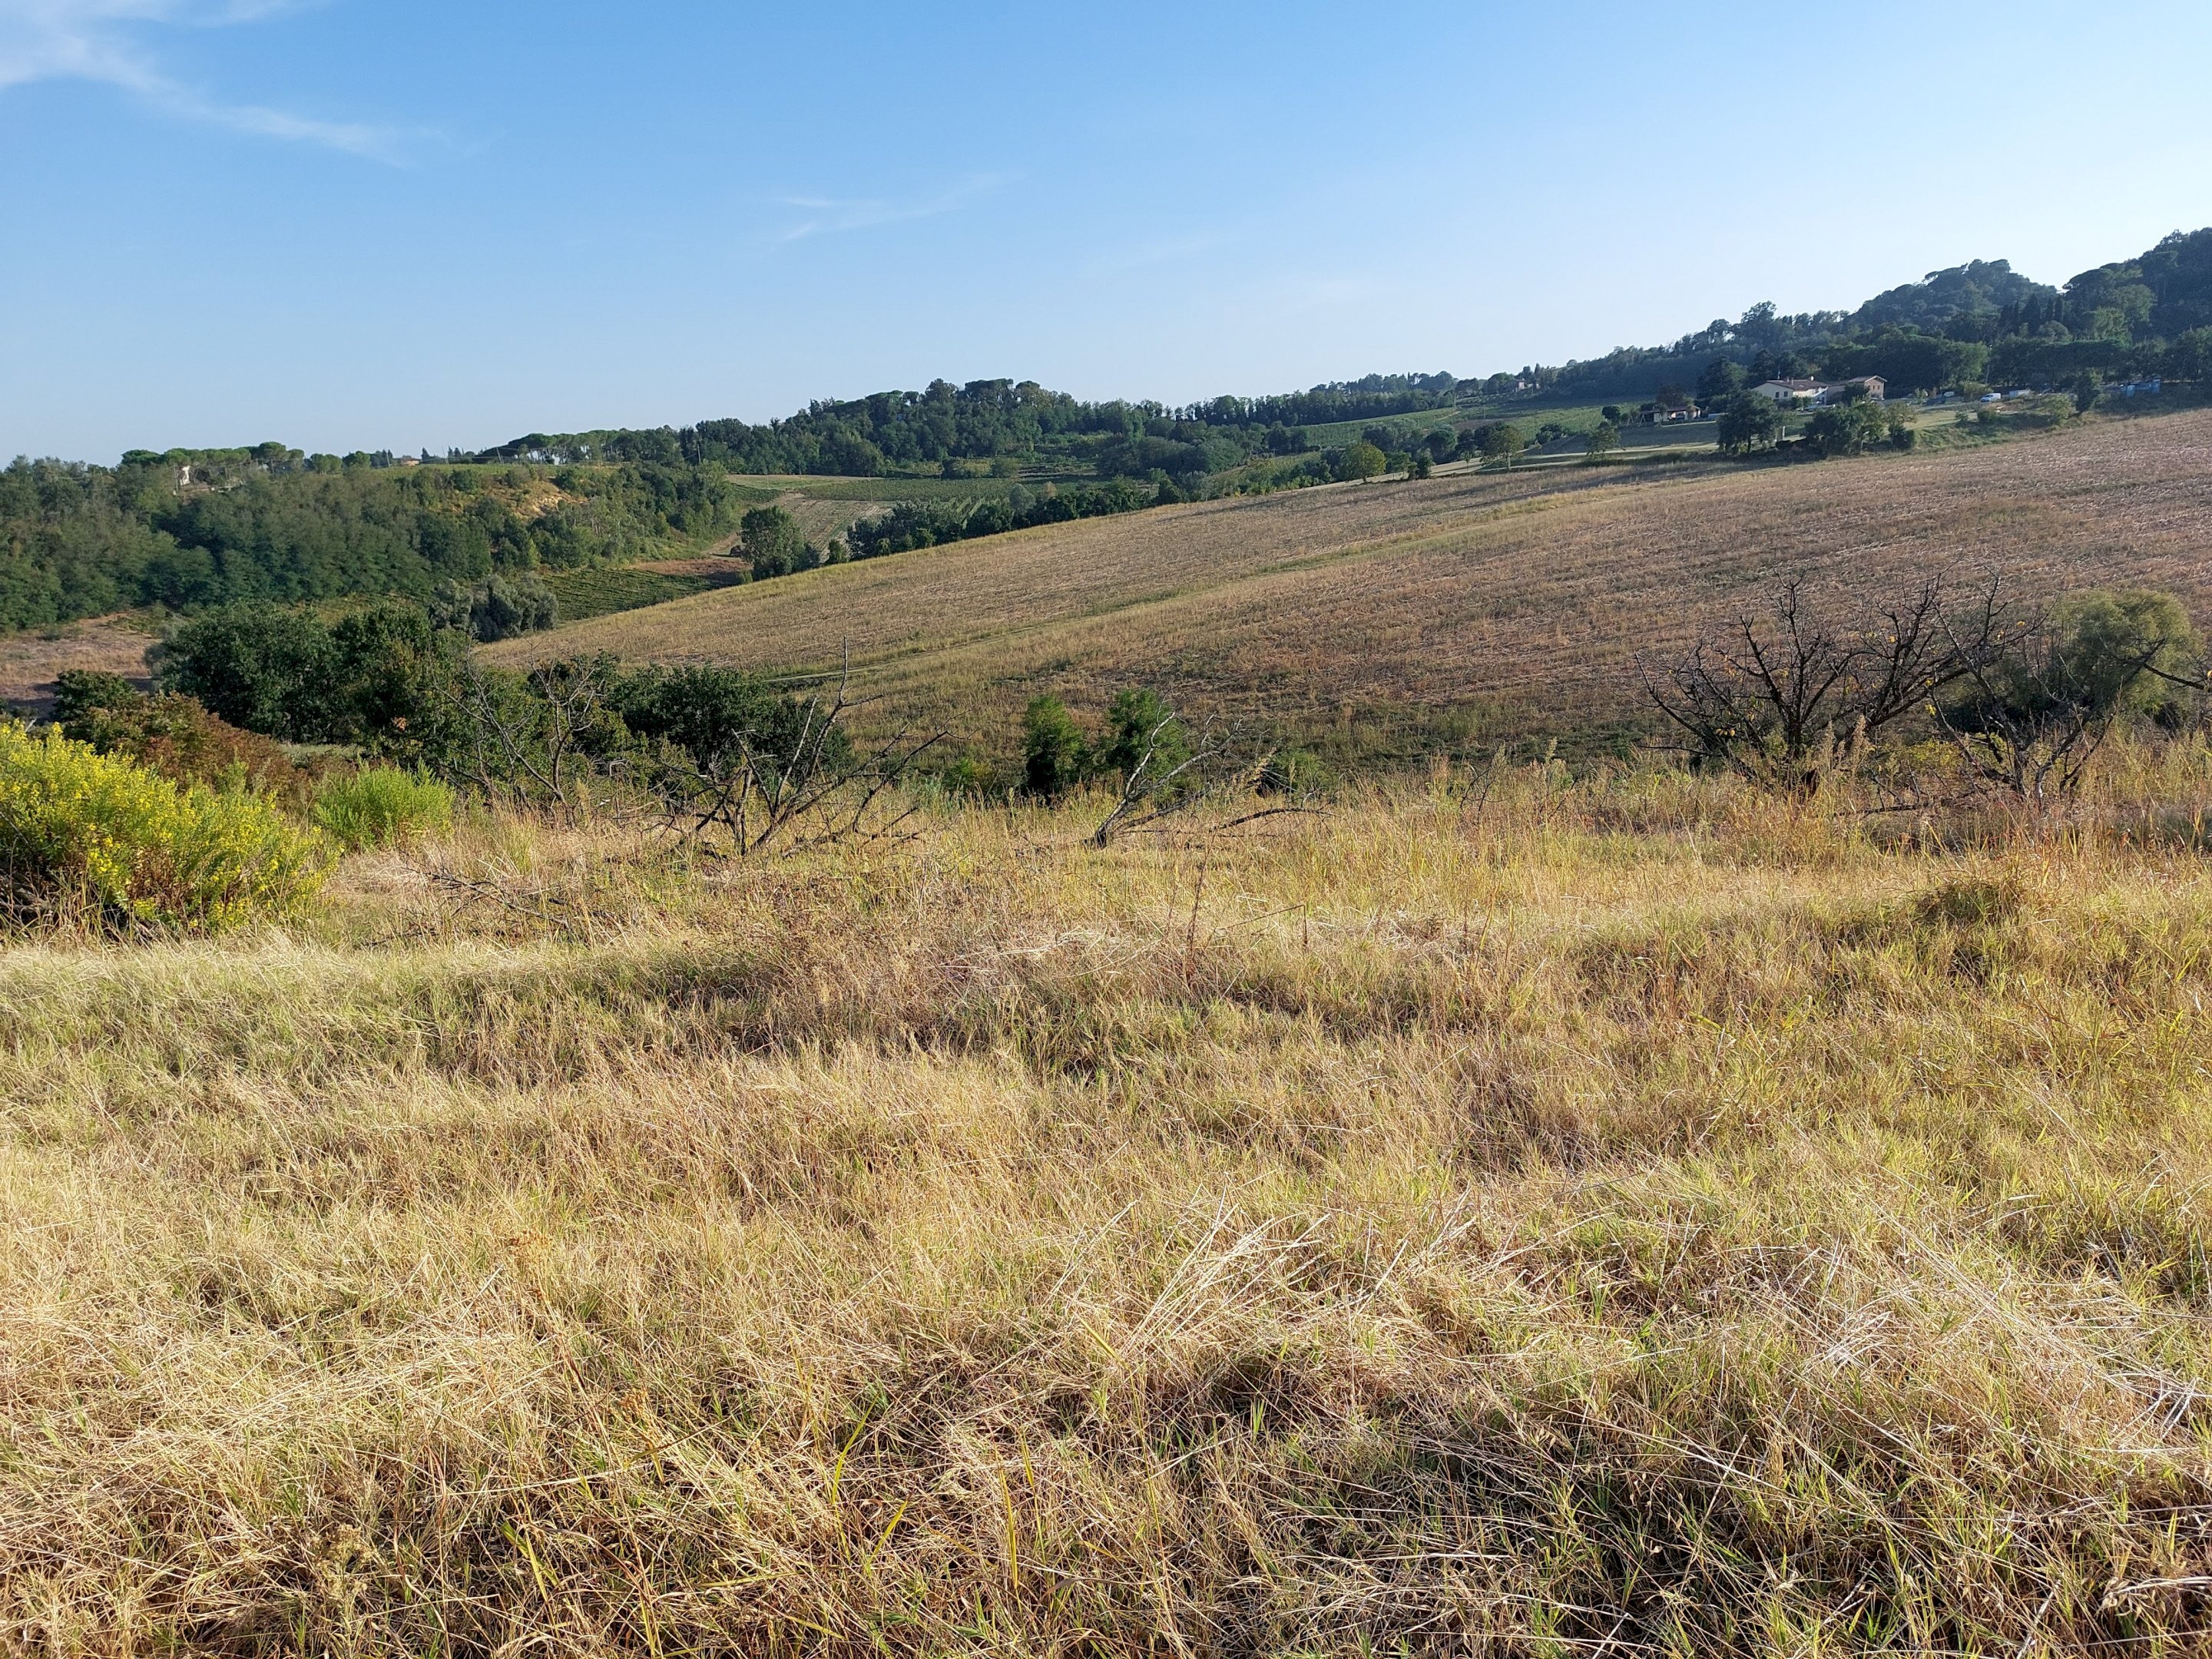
<point>1521,602</point>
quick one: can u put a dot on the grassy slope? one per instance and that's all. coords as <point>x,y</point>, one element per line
<point>1519,602</point>
<point>1623,1215</point>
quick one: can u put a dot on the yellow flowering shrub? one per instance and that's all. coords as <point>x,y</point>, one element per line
<point>81,828</point>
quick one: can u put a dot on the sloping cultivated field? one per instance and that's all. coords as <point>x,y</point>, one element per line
<point>1630,1216</point>
<point>1522,600</point>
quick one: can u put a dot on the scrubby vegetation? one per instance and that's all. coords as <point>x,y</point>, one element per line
<point>723,1192</point>
<point>500,607</point>
<point>175,736</point>
<point>1384,624</point>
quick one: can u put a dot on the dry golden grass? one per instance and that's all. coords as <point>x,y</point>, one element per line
<point>1521,599</point>
<point>30,661</point>
<point>1514,1216</point>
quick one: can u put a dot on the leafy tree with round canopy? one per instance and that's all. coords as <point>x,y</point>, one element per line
<point>1504,443</point>
<point>2112,652</point>
<point>1362,460</point>
<point>1846,429</point>
<point>2190,357</point>
<point>772,542</point>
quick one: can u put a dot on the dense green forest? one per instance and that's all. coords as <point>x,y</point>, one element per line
<point>192,528</point>
<point>188,529</point>
<point>987,419</point>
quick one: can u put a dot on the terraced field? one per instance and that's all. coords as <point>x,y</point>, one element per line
<point>1483,604</point>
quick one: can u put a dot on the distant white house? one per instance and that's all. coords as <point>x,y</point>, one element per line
<point>1821,392</point>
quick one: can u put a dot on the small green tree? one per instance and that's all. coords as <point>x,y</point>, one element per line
<point>1142,730</point>
<point>772,542</point>
<point>2114,653</point>
<point>2085,390</point>
<point>1749,424</point>
<point>503,606</point>
<point>2190,357</point>
<point>1152,755</point>
<point>1602,443</point>
<point>2031,717</point>
<point>1503,443</point>
<point>258,667</point>
<point>1055,755</point>
<point>1722,379</point>
<point>722,718</point>
<point>79,691</point>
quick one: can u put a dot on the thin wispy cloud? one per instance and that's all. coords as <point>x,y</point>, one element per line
<point>107,41</point>
<point>826,216</point>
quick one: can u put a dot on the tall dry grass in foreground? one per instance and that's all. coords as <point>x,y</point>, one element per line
<point>1621,1218</point>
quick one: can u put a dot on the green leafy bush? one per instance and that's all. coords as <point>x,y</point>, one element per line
<point>379,806</point>
<point>1055,753</point>
<point>1361,460</point>
<point>96,834</point>
<point>79,691</point>
<point>1142,732</point>
<point>1847,429</point>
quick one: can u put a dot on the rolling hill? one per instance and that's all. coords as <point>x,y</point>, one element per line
<point>1466,607</point>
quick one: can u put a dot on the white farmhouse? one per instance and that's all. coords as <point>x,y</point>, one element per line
<point>1821,392</point>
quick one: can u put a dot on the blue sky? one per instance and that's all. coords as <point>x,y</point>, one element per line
<point>371,223</point>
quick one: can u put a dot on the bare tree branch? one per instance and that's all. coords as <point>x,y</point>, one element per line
<point>1772,696</point>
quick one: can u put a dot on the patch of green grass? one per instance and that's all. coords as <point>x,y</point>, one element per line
<point>381,807</point>
<point>602,590</point>
<point>902,489</point>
